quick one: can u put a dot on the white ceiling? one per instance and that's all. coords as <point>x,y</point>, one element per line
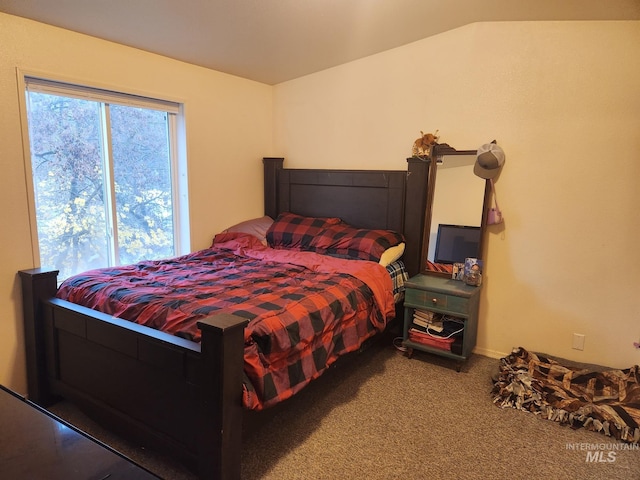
<point>272,41</point>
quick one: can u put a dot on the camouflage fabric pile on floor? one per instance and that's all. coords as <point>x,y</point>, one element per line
<point>605,401</point>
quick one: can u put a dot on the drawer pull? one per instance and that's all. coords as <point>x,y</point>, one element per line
<point>434,300</point>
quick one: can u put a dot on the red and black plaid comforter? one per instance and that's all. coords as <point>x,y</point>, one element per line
<point>304,309</point>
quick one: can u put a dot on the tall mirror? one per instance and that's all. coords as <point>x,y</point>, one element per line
<point>455,223</point>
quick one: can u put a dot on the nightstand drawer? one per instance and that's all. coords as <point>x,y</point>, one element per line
<point>436,300</point>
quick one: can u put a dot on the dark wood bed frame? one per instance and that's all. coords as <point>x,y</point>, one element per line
<point>174,395</point>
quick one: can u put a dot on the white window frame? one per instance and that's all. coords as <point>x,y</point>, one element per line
<point>56,85</point>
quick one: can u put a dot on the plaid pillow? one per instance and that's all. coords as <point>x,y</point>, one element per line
<point>358,243</point>
<point>297,232</point>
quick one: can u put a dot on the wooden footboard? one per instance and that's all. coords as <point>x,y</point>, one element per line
<point>165,392</point>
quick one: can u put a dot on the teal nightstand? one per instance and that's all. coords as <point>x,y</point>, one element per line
<point>452,298</point>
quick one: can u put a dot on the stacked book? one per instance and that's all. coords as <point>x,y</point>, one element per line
<point>426,320</point>
<point>429,328</point>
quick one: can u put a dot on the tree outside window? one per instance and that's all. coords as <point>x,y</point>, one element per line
<point>102,176</point>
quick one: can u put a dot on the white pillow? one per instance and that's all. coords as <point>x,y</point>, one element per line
<point>391,254</point>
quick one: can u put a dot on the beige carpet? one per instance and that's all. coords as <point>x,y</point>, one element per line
<point>384,416</point>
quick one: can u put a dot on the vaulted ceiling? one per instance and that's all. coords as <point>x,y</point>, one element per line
<point>272,41</point>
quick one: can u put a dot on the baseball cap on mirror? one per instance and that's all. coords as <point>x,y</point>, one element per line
<point>489,161</point>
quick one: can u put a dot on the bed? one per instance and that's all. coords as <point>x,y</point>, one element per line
<point>187,397</point>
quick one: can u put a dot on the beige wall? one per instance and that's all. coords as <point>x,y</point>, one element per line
<point>229,125</point>
<point>562,99</point>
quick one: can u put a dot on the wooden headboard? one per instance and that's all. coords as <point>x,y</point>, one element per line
<point>385,199</point>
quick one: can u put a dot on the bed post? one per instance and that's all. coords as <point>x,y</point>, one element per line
<point>220,380</point>
<point>271,167</point>
<point>37,285</point>
<point>416,203</point>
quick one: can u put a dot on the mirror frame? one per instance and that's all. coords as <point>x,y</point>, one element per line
<point>441,149</point>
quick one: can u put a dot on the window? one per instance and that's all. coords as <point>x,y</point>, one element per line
<point>105,176</point>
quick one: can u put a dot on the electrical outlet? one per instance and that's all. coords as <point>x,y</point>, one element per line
<point>578,341</point>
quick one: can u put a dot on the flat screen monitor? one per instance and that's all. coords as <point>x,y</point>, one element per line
<point>454,243</point>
